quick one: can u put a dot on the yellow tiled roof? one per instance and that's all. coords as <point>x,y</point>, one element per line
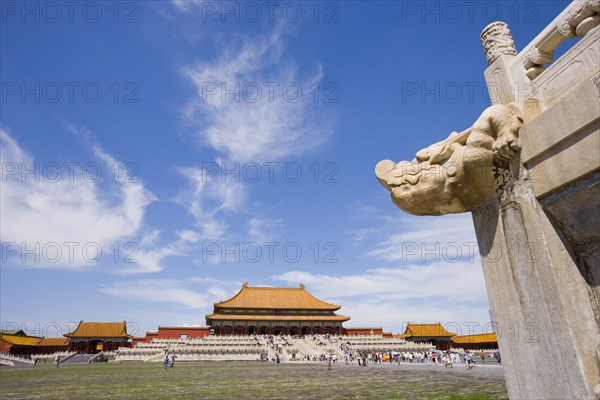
<point>12,332</point>
<point>276,298</point>
<point>100,329</point>
<point>234,317</point>
<point>20,340</point>
<point>51,342</point>
<point>478,338</point>
<point>426,330</point>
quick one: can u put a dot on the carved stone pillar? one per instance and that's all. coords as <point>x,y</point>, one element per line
<point>540,303</point>
<point>537,266</point>
<point>541,300</point>
<point>497,40</point>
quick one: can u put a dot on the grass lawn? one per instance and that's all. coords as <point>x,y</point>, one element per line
<point>248,380</point>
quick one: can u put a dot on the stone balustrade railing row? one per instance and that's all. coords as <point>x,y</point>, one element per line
<point>10,357</point>
<point>576,21</point>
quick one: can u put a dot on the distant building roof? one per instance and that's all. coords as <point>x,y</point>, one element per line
<point>426,330</point>
<point>477,338</point>
<point>276,298</point>
<point>12,332</point>
<point>246,317</point>
<point>100,330</point>
<point>20,340</point>
<point>53,342</point>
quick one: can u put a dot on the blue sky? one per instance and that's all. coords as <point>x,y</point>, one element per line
<point>156,155</point>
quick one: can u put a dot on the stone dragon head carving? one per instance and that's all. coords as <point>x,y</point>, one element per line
<point>458,173</point>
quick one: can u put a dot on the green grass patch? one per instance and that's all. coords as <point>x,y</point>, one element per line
<point>245,380</point>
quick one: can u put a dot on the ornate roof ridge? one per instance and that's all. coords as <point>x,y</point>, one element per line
<point>97,329</point>
<point>246,290</point>
<point>426,329</point>
<point>475,338</point>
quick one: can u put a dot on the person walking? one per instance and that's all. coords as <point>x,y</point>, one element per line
<point>166,361</point>
<point>497,356</point>
<point>173,361</point>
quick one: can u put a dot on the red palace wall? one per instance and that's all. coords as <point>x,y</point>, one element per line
<point>175,332</point>
<point>4,346</point>
<point>172,332</point>
<point>364,331</point>
<point>136,340</point>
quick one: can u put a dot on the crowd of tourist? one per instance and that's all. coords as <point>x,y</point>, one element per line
<point>432,357</point>
<point>363,358</point>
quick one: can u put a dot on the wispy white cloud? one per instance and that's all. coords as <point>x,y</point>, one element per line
<point>193,293</point>
<point>437,292</point>
<point>208,200</point>
<point>406,283</point>
<point>184,4</point>
<point>360,234</point>
<point>148,255</point>
<point>393,316</point>
<point>433,273</point>
<point>263,230</point>
<point>263,120</point>
<point>407,238</point>
<point>66,218</point>
<point>158,290</point>
<point>41,209</point>
<point>188,5</point>
<point>246,110</point>
<point>217,289</point>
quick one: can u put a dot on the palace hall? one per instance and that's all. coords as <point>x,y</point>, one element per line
<point>268,310</point>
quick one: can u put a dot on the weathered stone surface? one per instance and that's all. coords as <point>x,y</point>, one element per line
<point>458,173</point>
<point>565,119</point>
<point>579,12</point>
<point>496,41</point>
<point>538,218</point>
<point>540,237</point>
<point>577,20</point>
<point>578,221</point>
<point>540,301</point>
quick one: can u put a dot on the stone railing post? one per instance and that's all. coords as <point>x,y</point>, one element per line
<point>542,305</point>
<point>539,241</point>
